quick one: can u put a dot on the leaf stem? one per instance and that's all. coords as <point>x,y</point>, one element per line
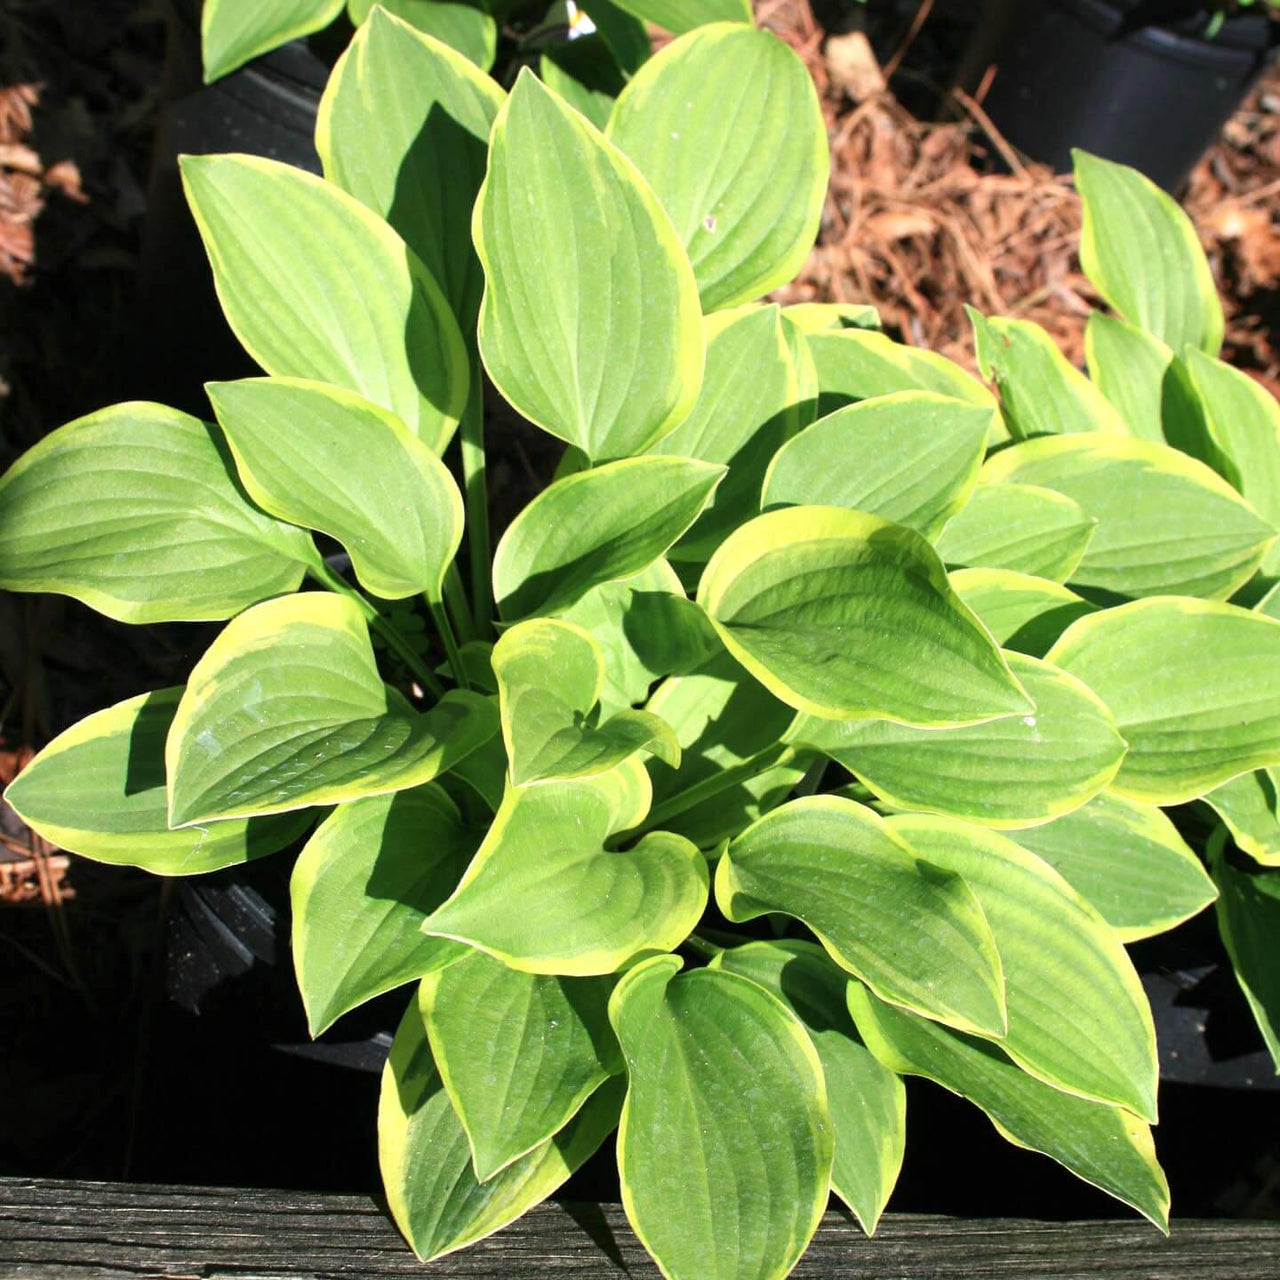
<point>441,618</point>
<point>394,640</point>
<point>476,496</point>
<point>701,946</point>
<point>771,757</point>
<point>455,597</point>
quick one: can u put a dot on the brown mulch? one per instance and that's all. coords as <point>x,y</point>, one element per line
<point>922,217</point>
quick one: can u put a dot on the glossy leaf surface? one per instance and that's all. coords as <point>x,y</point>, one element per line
<point>330,460</point>
<point>1190,723</point>
<point>744,183</point>
<point>136,510</point>
<point>607,356</point>
<point>844,615</point>
<point>718,1066</point>
<point>98,789</point>
<point>316,286</point>
<point>1078,1017</point>
<point>360,890</point>
<point>914,933</point>
<point>286,709</point>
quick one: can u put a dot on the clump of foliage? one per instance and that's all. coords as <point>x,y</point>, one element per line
<point>815,727</point>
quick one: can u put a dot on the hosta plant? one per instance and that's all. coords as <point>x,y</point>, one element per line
<point>813,728</point>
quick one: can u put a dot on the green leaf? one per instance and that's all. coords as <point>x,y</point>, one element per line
<point>1194,686</point>
<point>819,317</point>
<point>1021,527</point>
<point>316,286</point>
<point>868,1103</point>
<point>98,790</point>
<point>722,717</point>
<point>1249,921</point>
<point>1129,366</point>
<point>1140,251</point>
<point>327,459</point>
<point>543,895</point>
<point>431,1187</point>
<point>465,27</point>
<point>1127,860</point>
<point>1243,421</point>
<point>917,455</point>
<point>1003,773</point>
<point>519,1053</point>
<point>596,526</point>
<point>583,72</point>
<point>744,183</point>
<point>1167,524</point>
<point>286,709</point>
<point>857,365</point>
<point>913,932</point>
<point>646,628</point>
<point>1041,392</point>
<point>373,870</point>
<point>1023,613</point>
<point>1078,1017</point>
<point>1248,805</point>
<point>557,192</point>
<point>232,32</point>
<point>484,771</point>
<point>678,16</point>
<point>722,1073</point>
<point>749,406</point>
<point>845,615</point>
<point>1106,1146</point>
<point>624,33</point>
<point>550,675</point>
<point>136,510</point>
<point>404,127</point>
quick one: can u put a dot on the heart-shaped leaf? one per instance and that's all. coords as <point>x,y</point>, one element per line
<point>286,709</point>
<point>718,1066</point>
<point>1041,392</point>
<point>553,183</point>
<point>1141,252</point>
<point>1167,524</point>
<point>913,932</point>
<point>404,127</point>
<point>431,1187</point>
<point>136,510</point>
<point>1127,860</point>
<point>98,789</point>
<point>868,1103</point>
<point>316,286</point>
<point>1106,1146</point>
<point>1194,686</point>
<point>597,526</point>
<point>232,33</point>
<point>1078,1017</point>
<point>1023,613</point>
<point>543,895</point>
<point>330,460</point>
<point>749,405</point>
<point>1020,527</point>
<point>845,615</point>
<point>917,458</point>
<point>519,1053</point>
<point>373,870</point>
<point>744,184</point>
<point>1004,773</point>
<point>550,675</point>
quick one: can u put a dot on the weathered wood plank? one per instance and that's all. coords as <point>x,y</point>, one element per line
<point>109,1231</point>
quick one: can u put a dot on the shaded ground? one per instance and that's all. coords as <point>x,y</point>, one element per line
<point>101,1075</point>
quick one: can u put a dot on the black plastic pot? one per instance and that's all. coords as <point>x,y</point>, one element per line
<point>267,108</point>
<point>1119,78</point>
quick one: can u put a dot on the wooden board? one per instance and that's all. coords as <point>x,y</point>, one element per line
<point>108,1231</point>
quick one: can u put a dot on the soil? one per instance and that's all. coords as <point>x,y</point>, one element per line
<point>105,1073</point>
